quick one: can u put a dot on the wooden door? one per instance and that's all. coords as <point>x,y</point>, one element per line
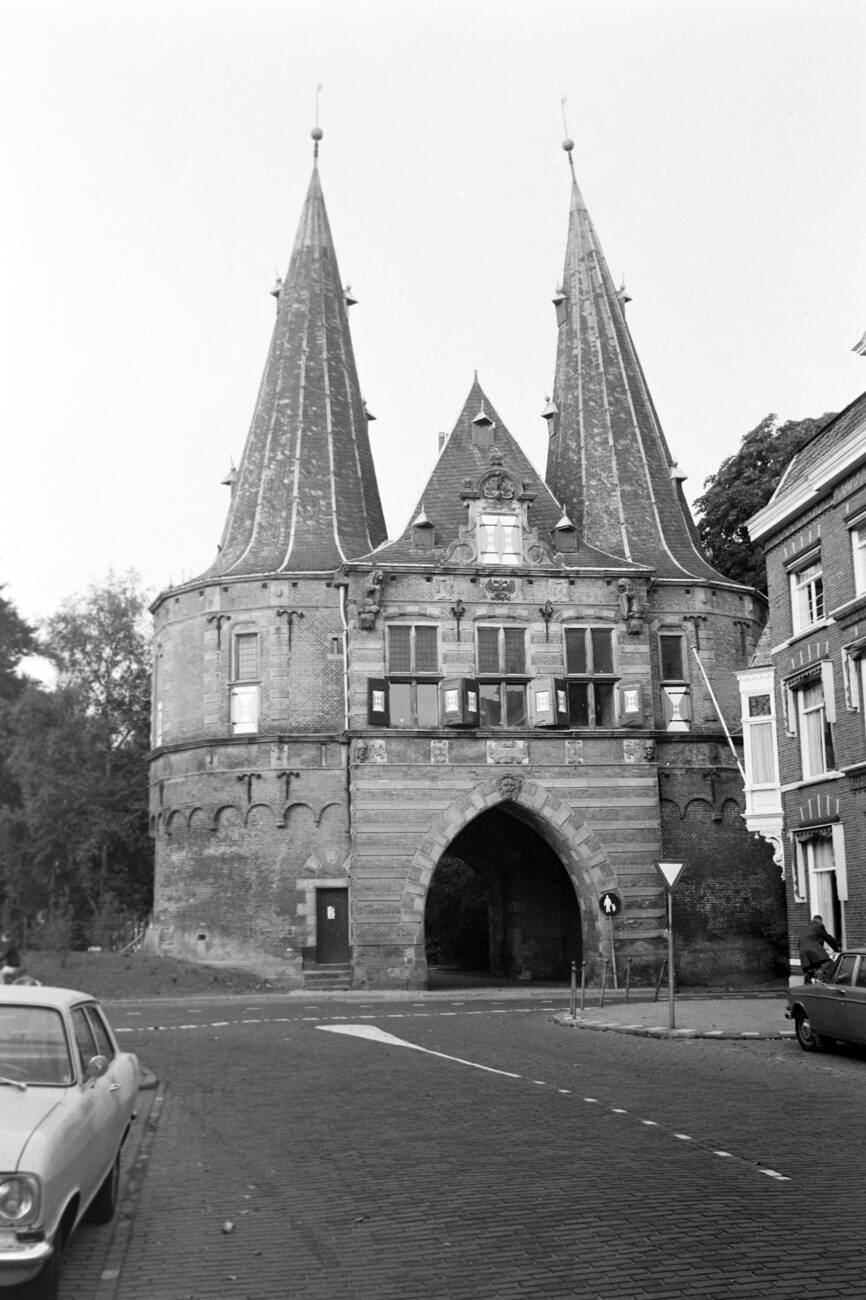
<point>332,926</point>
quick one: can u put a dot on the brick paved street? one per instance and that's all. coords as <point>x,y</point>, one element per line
<point>594,1165</point>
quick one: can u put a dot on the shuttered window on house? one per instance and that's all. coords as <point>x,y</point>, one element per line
<point>413,668</point>
<point>591,678</point>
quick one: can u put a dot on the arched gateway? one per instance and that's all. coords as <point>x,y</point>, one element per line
<point>542,870</point>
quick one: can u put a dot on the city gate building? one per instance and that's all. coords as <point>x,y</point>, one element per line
<point>517,683</point>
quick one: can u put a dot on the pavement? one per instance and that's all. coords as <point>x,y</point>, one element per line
<point>754,1015</point>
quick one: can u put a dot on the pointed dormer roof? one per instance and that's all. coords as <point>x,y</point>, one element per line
<point>305,497</point>
<point>608,460</point>
<point>478,435</point>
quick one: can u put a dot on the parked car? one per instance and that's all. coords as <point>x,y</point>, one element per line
<point>67,1099</point>
<point>834,1006</point>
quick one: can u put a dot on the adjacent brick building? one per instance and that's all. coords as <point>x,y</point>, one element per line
<point>804,698</point>
<point>510,684</point>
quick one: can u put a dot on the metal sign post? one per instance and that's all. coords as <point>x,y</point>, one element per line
<point>670,873</point>
<point>611,905</point>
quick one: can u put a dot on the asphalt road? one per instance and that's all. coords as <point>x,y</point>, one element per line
<point>292,1149</point>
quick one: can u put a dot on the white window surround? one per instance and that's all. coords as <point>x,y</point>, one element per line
<point>858,553</point>
<point>759,735</point>
<point>500,537</point>
<point>807,596</point>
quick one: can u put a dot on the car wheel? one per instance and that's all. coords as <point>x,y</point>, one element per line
<point>806,1036</point>
<point>104,1203</point>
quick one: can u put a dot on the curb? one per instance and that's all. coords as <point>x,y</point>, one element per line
<point>663,1031</point>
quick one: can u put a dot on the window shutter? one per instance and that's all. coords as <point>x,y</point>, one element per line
<point>630,704</point>
<point>542,711</point>
<point>459,702</point>
<point>851,679</point>
<point>548,702</point>
<point>377,702</point>
<point>829,692</point>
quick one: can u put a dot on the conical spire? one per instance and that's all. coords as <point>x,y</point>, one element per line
<point>305,497</point>
<point>608,460</point>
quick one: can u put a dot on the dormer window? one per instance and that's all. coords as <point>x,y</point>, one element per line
<point>499,538</point>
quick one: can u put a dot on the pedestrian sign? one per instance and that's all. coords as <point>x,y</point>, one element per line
<point>610,904</point>
<point>670,872</point>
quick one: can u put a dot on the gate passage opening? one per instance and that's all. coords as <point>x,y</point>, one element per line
<point>501,903</point>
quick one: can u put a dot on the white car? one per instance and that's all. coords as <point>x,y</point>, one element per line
<point>67,1100</point>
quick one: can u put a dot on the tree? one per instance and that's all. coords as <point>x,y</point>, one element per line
<point>741,486</point>
<point>17,639</point>
<point>79,756</point>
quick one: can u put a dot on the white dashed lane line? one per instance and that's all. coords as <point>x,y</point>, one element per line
<point>774,1174</point>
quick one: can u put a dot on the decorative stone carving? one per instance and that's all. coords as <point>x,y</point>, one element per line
<point>632,751</point>
<point>508,751</point>
<point>500,588</point>
<point>629,608</point>
<point>649,751</point>
<point>371,751</point>
<point>443,587</point>
<point>574,751</point>
<point>497,487</point>
<point>372,601</point>
<point>509,786</point>
<point>439,751</point>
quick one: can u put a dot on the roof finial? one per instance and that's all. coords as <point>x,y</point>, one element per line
<point>568,143</point>
<point>317,131</point>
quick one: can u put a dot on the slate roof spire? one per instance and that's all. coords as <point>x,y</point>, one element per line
<point>608,460</point>
<point>305,497</point>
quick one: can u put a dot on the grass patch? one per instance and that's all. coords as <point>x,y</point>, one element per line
<point>112,975</point>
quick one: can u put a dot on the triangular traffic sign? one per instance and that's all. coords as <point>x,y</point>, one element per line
<point>670,872</point>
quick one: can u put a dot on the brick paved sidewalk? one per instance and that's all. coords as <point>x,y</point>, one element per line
<point>711,1017</point>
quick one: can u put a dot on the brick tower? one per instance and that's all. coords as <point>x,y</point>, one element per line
<point>351,731</point>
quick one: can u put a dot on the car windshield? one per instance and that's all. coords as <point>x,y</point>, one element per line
<point>33,1046</point>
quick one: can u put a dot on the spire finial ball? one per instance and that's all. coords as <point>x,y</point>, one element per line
<point>316,133</point>
<point>568,144</point>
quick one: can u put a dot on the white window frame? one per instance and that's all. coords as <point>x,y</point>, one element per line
<point>760,724</point>
<point>807,595</point>
<point>244,692</point>
<point>500,537</point>
<point>858,555</point>
<point>812,727</point>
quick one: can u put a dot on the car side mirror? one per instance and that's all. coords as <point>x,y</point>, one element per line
<point>96,1067</point>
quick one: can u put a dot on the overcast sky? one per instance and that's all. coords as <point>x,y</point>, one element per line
<point>155,157</point>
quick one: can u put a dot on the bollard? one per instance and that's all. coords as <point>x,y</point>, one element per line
<point>582,984</point>
<point>603,980</point>
<point>659,980</point>
<point>627,977</point>
<point>573,1002</point>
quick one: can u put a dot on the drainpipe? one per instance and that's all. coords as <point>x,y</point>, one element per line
<point>345,621</point>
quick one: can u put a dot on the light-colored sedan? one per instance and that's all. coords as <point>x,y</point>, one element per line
<point>833,1006</point>
<point>67,1099</point>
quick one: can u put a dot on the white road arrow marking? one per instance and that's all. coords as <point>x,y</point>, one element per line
<point>375,1035</point>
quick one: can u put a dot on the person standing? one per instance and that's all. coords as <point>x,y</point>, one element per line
<point>10,958</point>
<point>813,954</point>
